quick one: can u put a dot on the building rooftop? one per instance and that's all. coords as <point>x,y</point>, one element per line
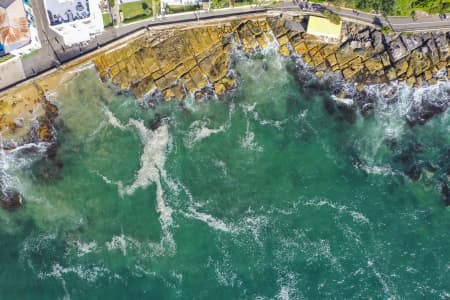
<point>323,27</point>
<point>14,30</point>
<point>5,3</point>
<point>76,21</point>
<point>66,11</point>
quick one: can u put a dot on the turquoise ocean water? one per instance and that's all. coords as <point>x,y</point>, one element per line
<point>269,193</point>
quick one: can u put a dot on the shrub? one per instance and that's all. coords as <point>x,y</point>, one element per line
<point>334,18</point>
<point>386,29</point>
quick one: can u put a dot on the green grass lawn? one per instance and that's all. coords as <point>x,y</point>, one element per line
<point>5,57</point>
<point>107,20</point>
<point>31,54</point>
<point>245,2</point>
<point>173,9</point>
<point>219,3</point>
<point>395,7</point>
<point>405,7</point>
<point>136,10</point>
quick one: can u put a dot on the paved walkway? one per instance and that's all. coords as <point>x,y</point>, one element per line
<point>11,71</point>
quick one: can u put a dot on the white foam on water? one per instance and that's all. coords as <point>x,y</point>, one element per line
<point>254,224</point>
<point>85,248</point>
<point>56,273</point>
<point>35,244</point>
<point>211,221</point>
<point>391,110</point>
<point>156,143</point>
<point>289,248</point>
<point>323,249</point>
<point>40,147</point>
<point>248,107</point>
<point>358,217</point>
<point>125,243</point>
<point>39,244</point>
<point>250,110</point>
<point>152,171</point>
<point>274,123</point>
<point>392,105</point>
<point>248,141</point>
<point>223,270</point>
<point>222,166</point>
<point>287,283</point>
<point>177,276</point>
<point>345,101</point>
<point>13,159</point>
<point>152,163</point>
<point>388,287</point>
<point>199,131</point>
<point>88,273</point>
<point>122,243</point>
<point>12,164</point>
<point>378,170</point>
<point>113,120</point>
<point>104,178</point>
<point>97,130</point>
<point>272,46</point>
<point>141,270</point>
<point>351,235</point>
<point>225,277</point>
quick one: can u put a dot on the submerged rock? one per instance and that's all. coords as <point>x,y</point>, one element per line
<point>414,172</point>
<point>419,114</point>
<point>45,133</point>
<point>11,199</point>
<point>445,190</point>
<point>49,169</point>
<point>156,122</point>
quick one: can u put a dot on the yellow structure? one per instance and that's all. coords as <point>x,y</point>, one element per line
<point>324,27</point>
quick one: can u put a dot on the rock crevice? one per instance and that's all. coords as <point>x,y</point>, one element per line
<point>176,63</point>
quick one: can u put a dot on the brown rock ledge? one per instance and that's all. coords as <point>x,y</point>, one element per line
<point>185,61</point>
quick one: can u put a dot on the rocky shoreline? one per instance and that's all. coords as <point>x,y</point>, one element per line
<point>197,62</point>
<point>177,63</point>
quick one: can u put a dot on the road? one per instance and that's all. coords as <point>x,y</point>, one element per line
<point>398,24</point>
<point>54,52</point>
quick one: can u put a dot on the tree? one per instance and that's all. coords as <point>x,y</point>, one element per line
<point>413,14</point>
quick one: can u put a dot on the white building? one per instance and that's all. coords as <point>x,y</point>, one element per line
<point>76,21</point>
